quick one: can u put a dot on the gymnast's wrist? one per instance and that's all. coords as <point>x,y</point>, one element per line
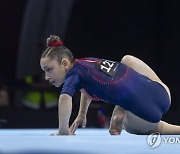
<point>82,113</point>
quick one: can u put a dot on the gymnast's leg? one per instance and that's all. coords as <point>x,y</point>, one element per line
<point>116,124</point>
<point>142,68</point>
<point>167,129</point>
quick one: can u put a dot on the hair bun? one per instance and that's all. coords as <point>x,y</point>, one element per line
<point>53,40</point>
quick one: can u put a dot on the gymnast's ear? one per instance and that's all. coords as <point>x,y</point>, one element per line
<point>65,63</point>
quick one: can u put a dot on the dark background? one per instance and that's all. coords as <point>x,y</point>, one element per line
<point>149,30</point>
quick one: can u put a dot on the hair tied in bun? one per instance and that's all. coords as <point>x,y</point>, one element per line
<point>55,44</point>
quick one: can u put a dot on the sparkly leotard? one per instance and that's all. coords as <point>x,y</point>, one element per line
<point>115,83</point>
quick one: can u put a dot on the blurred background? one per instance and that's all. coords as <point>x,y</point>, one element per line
<point>149,30</point>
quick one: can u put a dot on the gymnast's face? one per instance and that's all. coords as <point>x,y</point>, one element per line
<point>55,71</point>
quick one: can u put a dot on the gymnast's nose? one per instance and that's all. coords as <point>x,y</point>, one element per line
<point>47,77</point>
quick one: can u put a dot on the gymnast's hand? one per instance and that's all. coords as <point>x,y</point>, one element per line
<point>60,134</point>
<point>80,120</point>
<point>55,134</point>
<point>62,131</point>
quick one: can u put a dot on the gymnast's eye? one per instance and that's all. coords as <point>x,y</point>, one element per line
<point>48,69</point>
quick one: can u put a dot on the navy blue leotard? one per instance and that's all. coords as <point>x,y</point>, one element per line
<point>115,83</point>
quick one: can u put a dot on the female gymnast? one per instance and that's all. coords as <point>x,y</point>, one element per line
<point>141,98</point>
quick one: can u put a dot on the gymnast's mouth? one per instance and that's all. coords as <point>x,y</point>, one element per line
<point>52,82</point>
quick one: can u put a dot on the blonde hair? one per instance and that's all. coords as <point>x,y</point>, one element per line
<point>56,50</point>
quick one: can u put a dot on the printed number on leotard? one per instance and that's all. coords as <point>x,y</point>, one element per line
<point>107,66</point>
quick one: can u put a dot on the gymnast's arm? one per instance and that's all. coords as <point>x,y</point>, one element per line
<point>81,118</point>
<point>64,111</point>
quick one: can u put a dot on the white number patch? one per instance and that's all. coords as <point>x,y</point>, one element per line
<point>107,66</point>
